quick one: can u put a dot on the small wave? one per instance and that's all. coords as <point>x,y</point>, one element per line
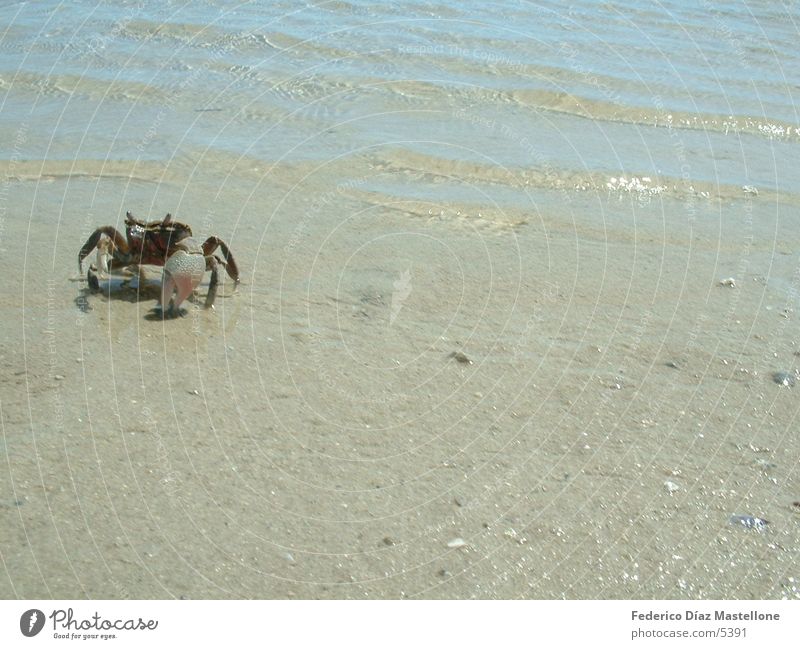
<point>645,186</point>
<point>37,170</point>
<point>415,92</point>
<point>184,33</point>
<point>68,85</point>
<point>610,112</point>
<point>255,41</point>
<point>487,219</point>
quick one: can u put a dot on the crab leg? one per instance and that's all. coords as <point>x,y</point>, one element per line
<point>210,245</point>
<point>212,264</point>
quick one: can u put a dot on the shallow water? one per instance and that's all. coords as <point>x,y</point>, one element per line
<point>692,93</point>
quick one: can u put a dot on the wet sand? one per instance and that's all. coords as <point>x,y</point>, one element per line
<point>609,407</point>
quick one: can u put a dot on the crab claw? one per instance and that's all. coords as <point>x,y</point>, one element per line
<point>183,272</point>
<point>103,255</point>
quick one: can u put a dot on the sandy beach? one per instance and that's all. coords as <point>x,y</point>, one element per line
<point>314,436</point>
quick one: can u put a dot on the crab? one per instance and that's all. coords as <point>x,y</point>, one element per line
<point>164,243</point>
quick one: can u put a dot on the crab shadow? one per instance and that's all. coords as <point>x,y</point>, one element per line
<point>133,291</point>
<point>124,289</point>
<point>158,314</point>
